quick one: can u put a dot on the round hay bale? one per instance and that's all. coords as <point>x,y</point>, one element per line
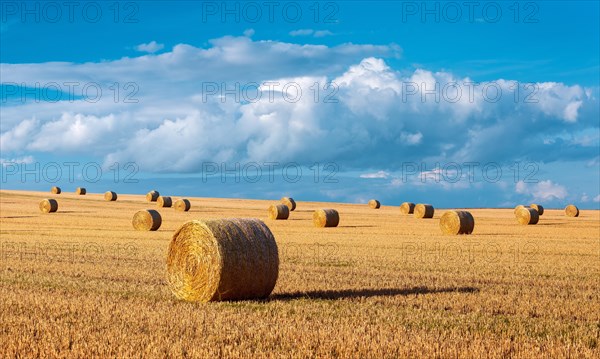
<point>326,218</point>
<point>423,211</point>
<point>55,190</point>
<point>48,205</point>
<point>518,208</point>
<point>539,208</point>
<point>224,259</point>
<point>182,205</point>
<point>374,204</point>
<point>572,211</point>
<point>527,216</point>
<point>80,191</point>
<point>164,201</point>
<point>289,202</point>
<point>146,220</point>
<point>152,196</point>
<point>457,222</point>
<point>407,208</point>
<point>279,211</point>
<point>110,196</point>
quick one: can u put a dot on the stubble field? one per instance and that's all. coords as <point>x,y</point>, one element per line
<point>83,283</point>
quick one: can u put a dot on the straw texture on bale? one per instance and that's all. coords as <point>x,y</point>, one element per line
<point>518,208</point>
<point>225,259</point>
<point>572,211</point>
<point>407,208</point>
<point>164,201</point>
<point>538,208</point>
<point>527,216</point>
<point>110,196</point>
<point>279,211</point>
<point>147,220</point>
<point>152,196</point>
<point>326,218</point>
<point>289,202</point>
<point>55,190</point>
<point>80,191</point>
<point>48,206</point>
<point>182,205</point>
<point>457,222</point>
<point>374,204</point>
<point>424,211</point>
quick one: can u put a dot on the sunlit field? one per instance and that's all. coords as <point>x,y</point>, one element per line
<point>82,282</point>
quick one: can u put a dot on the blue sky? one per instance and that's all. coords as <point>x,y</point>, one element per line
<point>156,64</point>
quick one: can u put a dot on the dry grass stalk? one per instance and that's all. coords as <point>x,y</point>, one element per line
<point>48,206</point>
<point>423,211</point>
<point>147,220</point>
<point>457,222</point>
<point>527,216</point>
<point>279,211</point>
<point>226,259</point>
<point>289,202</point>
<point>182,205</point>
<point>407,208</point>
<point>326,218</point>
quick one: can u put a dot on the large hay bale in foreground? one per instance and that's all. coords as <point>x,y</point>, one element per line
<point>80,191</point>
<point>182,205</point>
<point>423,211</point>
<point>518,208</point>
<point>375,204</point>
<point>48,205</point>
<point>226,259</point>
<point>457,222</point>
<point>152,196</point>
<point>539,208</point>
<point>289,202</point>
<point>572,211</point>
<point>164,201</point>
<point>527,216</point>
<point>279,211</point>
<point>55,190</point>
<point>110,196</point>
<point>147,220</point>
<point>326,218</point>
<point>407,208</point>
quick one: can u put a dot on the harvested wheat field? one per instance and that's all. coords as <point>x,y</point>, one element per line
<point>83,283</point>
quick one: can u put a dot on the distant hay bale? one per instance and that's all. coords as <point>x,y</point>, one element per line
<point>407,208</point>
<point>223,259</point>
<point>80,191</point>
<point>375,204</point>
<point>279,211</point>
<point>423,211</point>
<point>457,222</point>
<point>518,208</point>
<point>572,211</point>
<point>110,196</point>
<point>164,201</point>
<point>55,190</point>
<point>326,218</point>
<point>48,205</point>
<point>152,196</point>
<point>289,202</point>
<point>539,208</point>
<point>527,216</point>
<point>182,205</point>
<point>147,220</point>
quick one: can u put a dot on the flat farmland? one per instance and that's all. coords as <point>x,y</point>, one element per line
<point>82,282</point>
